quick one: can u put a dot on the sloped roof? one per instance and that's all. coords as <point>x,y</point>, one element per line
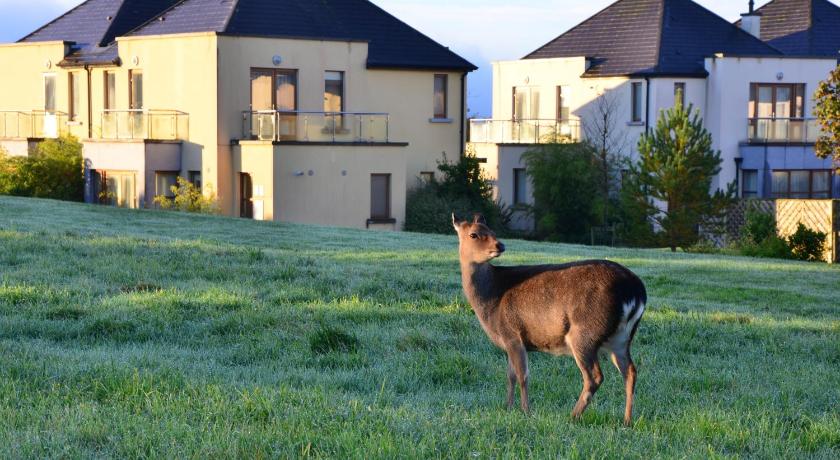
<point>392,42</point>
<point>802,27</point>
<point>94,24</point>
<point>652,37</point>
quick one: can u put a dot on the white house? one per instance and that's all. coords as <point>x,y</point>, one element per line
<point>751,81</point>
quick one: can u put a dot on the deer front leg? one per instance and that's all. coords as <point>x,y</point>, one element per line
<point>518,359</point>
<point>511,384</point>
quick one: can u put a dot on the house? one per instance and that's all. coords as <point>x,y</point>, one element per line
<point>320,112</point>
<point>752,83</point>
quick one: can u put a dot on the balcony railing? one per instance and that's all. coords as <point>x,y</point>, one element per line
<point>523,131</point>
<point>159,125</point>
<point>34,124</point>
<point>352,127</point>
<point>805,130</point>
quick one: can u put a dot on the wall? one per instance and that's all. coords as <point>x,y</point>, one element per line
<point>257,159</point>
<point>22,77</point>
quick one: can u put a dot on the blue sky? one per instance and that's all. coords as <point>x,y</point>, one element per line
<point>479,30</point>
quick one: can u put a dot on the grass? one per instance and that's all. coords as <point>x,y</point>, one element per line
<point>150,334</point>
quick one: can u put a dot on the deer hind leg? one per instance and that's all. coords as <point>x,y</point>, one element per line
<point>511,383</point>
<point>624,363</point>
<point>587,361</point>
<point>518,363</point>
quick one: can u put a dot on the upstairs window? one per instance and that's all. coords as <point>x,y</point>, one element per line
<point>636,102</point>
<point>334,91</point>
<point>776,100</point>
<point>110,90</point>
<point>135,89</point>
<point>49,93</point>
<point>562,103</point>
<point>441,96</point>
<point>679,93</point>
<point>74,96</point>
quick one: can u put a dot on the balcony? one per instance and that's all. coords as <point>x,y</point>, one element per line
<point>523,131</point>
<point>159,125</point>
<point>316,127</point>
<point>36,124</point>
<point>783,130</point>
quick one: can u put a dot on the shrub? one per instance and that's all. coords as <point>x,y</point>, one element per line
<point>188,198</point>
<point>54,169</point>
<point>773,246</point>
<point>463,189</point>
<point>807,244</point>
<point>758,226</point>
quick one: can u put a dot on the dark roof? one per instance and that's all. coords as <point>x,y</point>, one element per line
<point>802,27</point>
<point>392,42</point>
<point>94,24</point>
<point>652,37</point>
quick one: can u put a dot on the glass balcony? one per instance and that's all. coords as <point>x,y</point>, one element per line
<point>523,131</point>
<point>804,130</point>
<point>339,127</point>
<point>159,125</point>
<point>35,124</point>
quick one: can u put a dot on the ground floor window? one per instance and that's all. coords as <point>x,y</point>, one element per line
<point>749,183</point>
<point>195,179</point>
<point>427,176</point>
<point>801,183</point>
<point>246,195</point>
<point>380,196</point>
<point>115,188</point>
<point>520,179</point>
<point>164,181</point>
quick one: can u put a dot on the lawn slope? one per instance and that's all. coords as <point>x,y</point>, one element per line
<point>151,334</point>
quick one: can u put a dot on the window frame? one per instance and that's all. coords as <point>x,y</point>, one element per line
<point>788,195</point>
<point>749,193</point>
<point>191,175</point>
<point>73,96</point>
<point>132,90</point>
<point>797,110</point>
<point>520,200</point>
<point>109,101</point>
<point>50,103</point>
<point>445,114</point>
<point>636,102</point>
<point>274,73</point>
<point>341,73</point>
<point>427,177</point>
<point>388,213</point>
<point>168,193</point>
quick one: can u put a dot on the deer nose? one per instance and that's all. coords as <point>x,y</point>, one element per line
<point>500,247</point>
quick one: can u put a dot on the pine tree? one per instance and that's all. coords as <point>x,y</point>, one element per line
<point>671,182</point>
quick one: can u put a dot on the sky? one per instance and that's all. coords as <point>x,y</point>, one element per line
<point>481,31</point>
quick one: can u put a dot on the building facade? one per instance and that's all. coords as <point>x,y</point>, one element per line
<point>322,112</point>
<point>635,58</point>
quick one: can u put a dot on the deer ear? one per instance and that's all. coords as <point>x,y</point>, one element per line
<point>479,219</point>
<point>456,223</point>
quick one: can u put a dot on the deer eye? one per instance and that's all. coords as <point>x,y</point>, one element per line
<point>474,235</point>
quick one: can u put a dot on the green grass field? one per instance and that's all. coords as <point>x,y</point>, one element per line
<point>151,334</point>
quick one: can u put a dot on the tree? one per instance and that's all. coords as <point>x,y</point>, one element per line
<point>566,180</point>
<point>54,169</point>
<point>188,198</point>
<point>671,182</point>
<point>608,141</point>
<point>827,111</point>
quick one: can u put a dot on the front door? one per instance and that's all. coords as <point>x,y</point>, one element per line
<point>246,193</point>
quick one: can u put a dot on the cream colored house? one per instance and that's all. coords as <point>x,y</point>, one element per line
<point>321,112</point>
<point>750,81</point>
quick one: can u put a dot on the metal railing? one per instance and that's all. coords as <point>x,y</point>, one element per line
<point>805,130</point>
<point>276,125</point>
<point>32,124</point>
<point>144,124</point>
<point>531,131</point>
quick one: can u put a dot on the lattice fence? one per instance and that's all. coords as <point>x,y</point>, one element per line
<point>736,217</point>
<point>819,215</point>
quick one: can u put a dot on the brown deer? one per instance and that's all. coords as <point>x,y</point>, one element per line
<point>576,309</point>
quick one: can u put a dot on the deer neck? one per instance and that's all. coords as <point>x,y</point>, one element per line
<point>479,287</point>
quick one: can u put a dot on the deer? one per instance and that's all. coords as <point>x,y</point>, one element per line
<point>577,309</point>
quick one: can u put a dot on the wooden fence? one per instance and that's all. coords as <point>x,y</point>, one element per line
<point>819,215</point>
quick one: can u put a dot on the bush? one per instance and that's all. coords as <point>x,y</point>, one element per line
<point>54,169</point>
<point>807,244</point>
<point>759,226</point>
<point>773,246</point>
<point>463,189</point>
<point>188,198</point>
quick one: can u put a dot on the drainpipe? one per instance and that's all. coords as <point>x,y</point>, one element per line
<point>647,105</point>
<point>89,104</point>
<point>463,120</point>
<point>738,161</point>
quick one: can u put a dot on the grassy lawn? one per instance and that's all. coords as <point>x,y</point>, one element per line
<point>148,334</point>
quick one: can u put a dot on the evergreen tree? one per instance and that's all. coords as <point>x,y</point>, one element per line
<point>671,182</point>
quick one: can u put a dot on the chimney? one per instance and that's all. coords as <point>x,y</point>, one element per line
<point>751,21</point>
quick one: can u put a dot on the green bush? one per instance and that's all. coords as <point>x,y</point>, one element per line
<point>462,189</point>
<point>773,246</point>
<point>759,238</point>
<point>54,169</point>
<point>759,226</point>
<point>188,198</point>
<point>807,244</point>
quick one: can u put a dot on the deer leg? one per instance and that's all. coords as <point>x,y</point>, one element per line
<point>597,374</point>
<point>511,383</point>
<point>587,361</point>
<point>624,364</point>
<point>518,358</point>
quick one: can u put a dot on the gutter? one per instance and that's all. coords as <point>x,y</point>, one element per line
<point>647,105</point>
<point>463,119</point>
<point>89,103</point>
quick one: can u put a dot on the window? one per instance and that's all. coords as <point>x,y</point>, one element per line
<point>73,96</point>
<point>802,184</point>
<point>334,92</point>
<point>636,100</point>
<point>274,89</point>
<point>135,89</point>
<point>520,181</point>
<point>195,178</point>
<point>427,176</point>
<point>749,183</point>
<point>526,103</point>
<point>776,100</point>
<point>110,91</point>
<point>679,93</point>
<point>49,93</point>
<point>246,193</point>
<point>441,84</point>
<point>115,188</point>
<point>164,181</point>
<point>380,196</point>
<point>562,105</point>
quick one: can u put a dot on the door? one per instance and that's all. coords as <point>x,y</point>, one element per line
<point>273,90</point>
<point>246,193</point>
<point>285,100</point>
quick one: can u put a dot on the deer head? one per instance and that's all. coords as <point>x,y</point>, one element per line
<point>477,243</point>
